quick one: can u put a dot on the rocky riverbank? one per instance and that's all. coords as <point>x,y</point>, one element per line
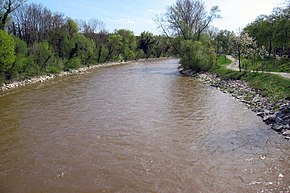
<point>44,78</point>
<point>276,114</point>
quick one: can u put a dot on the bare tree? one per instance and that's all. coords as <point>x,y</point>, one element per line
<point>7,7</point>
<point>34,22</point>
<point>187,18</point>
<point>92,26</point>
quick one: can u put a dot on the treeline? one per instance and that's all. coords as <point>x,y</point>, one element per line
<point>263,44</point>
<point>35,41</point>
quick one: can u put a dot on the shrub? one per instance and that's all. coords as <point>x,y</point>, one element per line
<point>72,64</point>
<point>196,56</point>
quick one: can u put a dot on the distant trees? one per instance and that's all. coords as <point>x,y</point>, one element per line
<point>38,41</point>
<point>272,31</point>
<point>34,23</point>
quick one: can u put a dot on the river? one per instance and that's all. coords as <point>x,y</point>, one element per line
<point>140,127</point>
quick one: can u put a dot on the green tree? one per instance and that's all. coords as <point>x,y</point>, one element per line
<point>83,48</point>
<point>7,53</point>
<point>128,44</point>
<point>200,56</point>
<point>185,22</point>
<point>114,45</point>
<point>187,18</point>
<point>146,43</point>
<point>21,50</point>
<point>42,54</point>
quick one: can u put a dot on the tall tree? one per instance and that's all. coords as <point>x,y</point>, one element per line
<point>146,43</point>
<point>7,53</point>
<point>187,18</point>
<point>7,7</point>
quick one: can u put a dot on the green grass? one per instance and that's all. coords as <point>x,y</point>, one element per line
<point>271,65</point>
<point>273,86</point>
<point>223,60</point>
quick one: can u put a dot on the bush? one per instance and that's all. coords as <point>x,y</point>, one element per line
<point>7,52</point>
<point>196,56</point>
<point>53,70</point>
<point>73,63</point>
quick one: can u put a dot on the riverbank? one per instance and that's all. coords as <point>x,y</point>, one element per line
<point>274,113</point>
<point>39,79</point>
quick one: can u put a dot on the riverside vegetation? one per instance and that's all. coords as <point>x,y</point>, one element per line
<point>255,90</point>
<point>38,42</point>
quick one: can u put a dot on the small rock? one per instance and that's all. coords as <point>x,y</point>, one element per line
<point>286,133</point>
<point>269,119</point>
<point>277,127</point>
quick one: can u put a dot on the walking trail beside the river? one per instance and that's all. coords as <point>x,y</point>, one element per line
<point>235,66</point>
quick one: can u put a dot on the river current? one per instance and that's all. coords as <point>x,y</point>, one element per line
<point>140,127</point>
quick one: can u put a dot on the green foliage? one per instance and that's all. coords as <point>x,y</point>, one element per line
<point>72,63</point>
<point>114,46</point>
<point>146,43</point>
<point>269,85</point>
<point>83,48</point>
<point>196,55</point>
<point>42,54</point>
<point>54,69</point>
<point>272,31</point>
<point>222,60</point>
<point>7,52</point>
<point>271,65</point>
<point>128,44</point>
<point>46,42</point>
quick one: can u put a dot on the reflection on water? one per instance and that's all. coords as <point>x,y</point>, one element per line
<point>135,128</point>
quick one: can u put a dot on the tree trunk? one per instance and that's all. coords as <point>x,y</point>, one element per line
<point>239,56</point>
<point>263,65</point>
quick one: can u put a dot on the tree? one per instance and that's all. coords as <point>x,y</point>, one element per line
<point>92,26</point>
<point>200,56</point>
<point>7,52</point>
<point>128,44</point>
<point>187,18</point>
<point>222,41</point>
<point>7,7</point>
<point>114,45</point>
<point>83,48</point>
<point>34,23</point>
<point>42,54</point>
<point>146,43</point>
<point>241,44</point>
<point>184,23</point>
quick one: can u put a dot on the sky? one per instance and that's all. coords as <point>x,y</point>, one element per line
<point>138,15</point>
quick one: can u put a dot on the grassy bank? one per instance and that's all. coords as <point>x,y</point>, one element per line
<point>270,65</point>
<point>272,86</point>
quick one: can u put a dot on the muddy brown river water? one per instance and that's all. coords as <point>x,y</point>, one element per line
<point>135,128</point>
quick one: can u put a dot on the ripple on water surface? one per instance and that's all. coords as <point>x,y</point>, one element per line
<point>135,128</point>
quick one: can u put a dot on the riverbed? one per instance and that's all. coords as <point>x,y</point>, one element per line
<point>140,127</point>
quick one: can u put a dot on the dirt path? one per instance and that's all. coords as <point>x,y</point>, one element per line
<point>235,66</point>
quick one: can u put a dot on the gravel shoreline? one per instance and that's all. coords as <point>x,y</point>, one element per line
<point>275,114</point>
<point>38,79</point>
